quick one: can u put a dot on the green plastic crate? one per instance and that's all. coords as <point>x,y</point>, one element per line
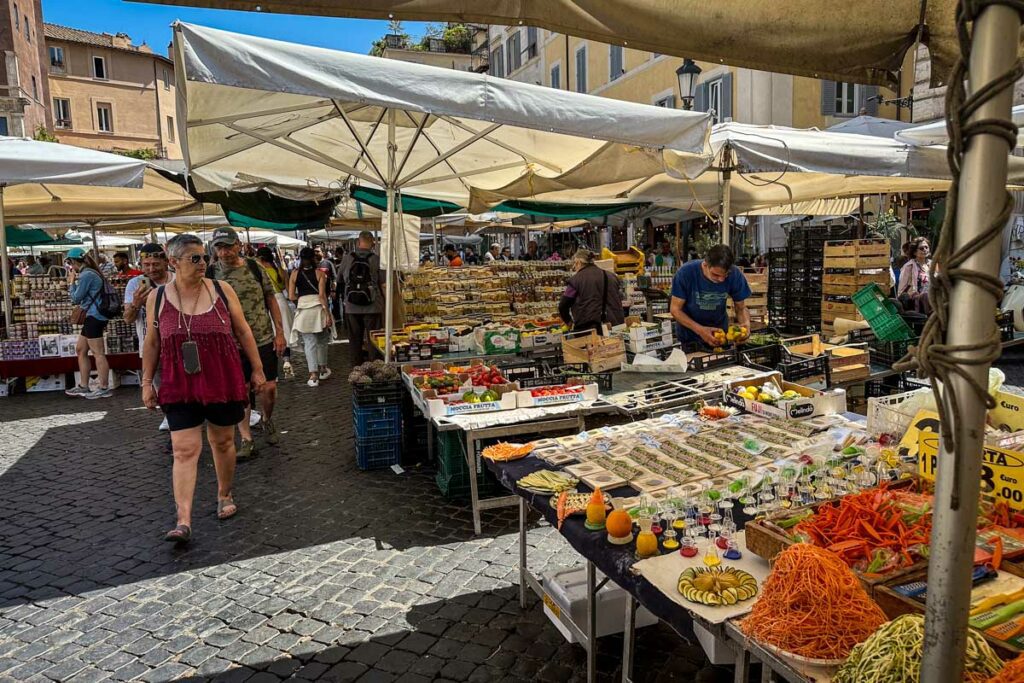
<point>881,314</point>
<point>453,474</point>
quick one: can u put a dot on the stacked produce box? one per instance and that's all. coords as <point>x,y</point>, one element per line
<point>535,286</point>
<point>757,303</point>
<point>806,267</point>
<point>470,290</point>
<point>632,292</point>
<point>778,287</point>
<point>850,265</point>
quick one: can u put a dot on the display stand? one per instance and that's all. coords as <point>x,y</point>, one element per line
<point>41,367</point>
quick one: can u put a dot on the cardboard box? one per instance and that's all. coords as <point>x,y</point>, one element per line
<point>451,405</point>
<point>67,345</point>
<point>49,345</point>
<point>641,330</point>
<point>587,392</point>
<point>811,403</point>
<point>653,344</point>
<point>46,383</point>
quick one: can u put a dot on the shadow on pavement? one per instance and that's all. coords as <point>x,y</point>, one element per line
<point>85,493</point>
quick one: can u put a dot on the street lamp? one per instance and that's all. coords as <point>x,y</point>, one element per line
<point>687,75</point>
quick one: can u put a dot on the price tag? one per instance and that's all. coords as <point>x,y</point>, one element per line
<point>603,445</point>
<point>552,605</point>
<point>647,439</point>
<point>583,436</point>
<point>1002,471</point>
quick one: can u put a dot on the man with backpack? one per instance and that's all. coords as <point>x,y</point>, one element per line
<point>364,294</point>
<point>256,296</point>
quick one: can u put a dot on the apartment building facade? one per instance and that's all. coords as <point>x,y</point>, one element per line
<point>109,94</point>
<point>553,59</point>
<point>24,92</point>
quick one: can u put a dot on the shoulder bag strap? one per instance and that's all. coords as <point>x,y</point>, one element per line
<point>159,302</point>
<point>604,299</point>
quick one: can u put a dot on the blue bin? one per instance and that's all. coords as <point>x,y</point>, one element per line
<point>376,454</point>
<point>377,422</point>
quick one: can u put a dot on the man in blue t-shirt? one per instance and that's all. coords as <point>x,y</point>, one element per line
<point>699,291</point>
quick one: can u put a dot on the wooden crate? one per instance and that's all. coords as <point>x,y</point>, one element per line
<point>850,373</point>
<point>756,279</point>
<point>877,247</point>
<point>830,317</point>
<point>857,262</point>
<point>859,279</point>
<point>841,290</point>
<point>895,604</point>
<point>838,307</point>
<point>601,354</point>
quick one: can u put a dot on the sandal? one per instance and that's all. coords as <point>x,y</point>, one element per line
<point>179,534</point>
<point>226,508</point>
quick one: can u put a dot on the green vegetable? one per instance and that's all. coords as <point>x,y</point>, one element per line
<point>794,520</point>
<point>893,654</point>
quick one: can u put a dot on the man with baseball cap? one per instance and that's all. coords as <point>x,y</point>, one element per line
<point>256,295</point>
<point>155,273</point>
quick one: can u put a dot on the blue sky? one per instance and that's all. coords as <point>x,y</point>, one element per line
<point>151,23</point>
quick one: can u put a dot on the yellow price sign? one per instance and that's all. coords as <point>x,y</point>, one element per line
<point>552,605</point>
<point>1002,471</point>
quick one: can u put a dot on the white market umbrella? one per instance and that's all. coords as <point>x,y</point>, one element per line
<point>294,119</point>
<point>870,125</point>
<point>31,162</point>
<point>110,241</point>
<point>936,133</point>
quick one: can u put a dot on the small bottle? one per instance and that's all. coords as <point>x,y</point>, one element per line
<point>646,541</point>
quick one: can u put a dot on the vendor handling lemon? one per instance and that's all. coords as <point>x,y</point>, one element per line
<point>699,292</point>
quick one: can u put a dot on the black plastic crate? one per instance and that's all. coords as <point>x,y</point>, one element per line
<point>515,370</point>
<point>889,353</point>
<point>805,368</point>
<point>765,357</point>
<point>877,388</point>
<point>713,359</point>
<point>1005,322</point>
<point>378,393</point>
<point>563,372</point>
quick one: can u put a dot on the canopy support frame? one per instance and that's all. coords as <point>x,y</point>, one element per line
<point>981,197</point>
<point>505,146</point>
<point>389,294</point>
<point>256,142</point>
<point>365,152</point>
<point>4,266</point>
<point>482,135</point>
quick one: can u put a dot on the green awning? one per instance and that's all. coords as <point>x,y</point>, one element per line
<point>411,204</point>
<point>34,237</point>
<point>565,211</point>
<point>239,220</point>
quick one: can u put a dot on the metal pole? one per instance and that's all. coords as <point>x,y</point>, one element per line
<point>591,623</point>
<point>981,196</point>
<point>152,234</point>
<point>95,243</point>
<point>389,266</point>
<point>679,259</point>
<point>433,223</point>
<point>726,197</point>
<point>4,266</point>
<point>863,232</point>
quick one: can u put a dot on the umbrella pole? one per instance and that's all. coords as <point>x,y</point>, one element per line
<point>152,234</point>
<point>433,223</point>
<point>4,266</point>
<point>389,294</point>
<point>95,243</point>
<point>726,200</point>
<point>982,195</point>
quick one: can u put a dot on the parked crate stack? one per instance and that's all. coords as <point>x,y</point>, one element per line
<point>806,267</point>
<point>850,265</point>
<point>377,423</point>
<point>757,303</point>
<point>778,287</point>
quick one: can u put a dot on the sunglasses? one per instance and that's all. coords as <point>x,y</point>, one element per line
<point>196,259</point>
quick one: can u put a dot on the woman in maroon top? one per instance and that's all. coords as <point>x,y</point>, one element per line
<point>195,328</point>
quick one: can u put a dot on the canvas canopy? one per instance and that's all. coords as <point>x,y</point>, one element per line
<point>303,121</point>
<point>771,166</point>
<point>266,114</point>
<point>936,133</point>
<point>31,167</point>
<point>870,125</point>
<point>863,42</point>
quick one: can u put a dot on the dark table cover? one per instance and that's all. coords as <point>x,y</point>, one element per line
<point>614,561</point>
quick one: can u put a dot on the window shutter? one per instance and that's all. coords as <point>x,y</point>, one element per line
<point>726,112</point>
<point>866,101</point>
<point>828,98</point>
<point>700,97</point>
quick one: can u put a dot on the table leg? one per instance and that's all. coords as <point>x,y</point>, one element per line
<point>522,553</point>
<point>430,441</point>
<point>742,665</point>
<point>474,491</point>
<point>628,636</point>
<point>591,624</point>
<point>767,675</point>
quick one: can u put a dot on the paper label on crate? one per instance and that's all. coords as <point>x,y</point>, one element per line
<point>483,406</point>
<point>1002,471</point>
<point>554,400</point>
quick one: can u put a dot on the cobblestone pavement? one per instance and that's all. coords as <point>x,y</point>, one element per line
<point>326,573</point>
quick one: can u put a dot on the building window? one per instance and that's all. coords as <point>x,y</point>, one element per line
<point>668,101</point>
<point>715,99</point>
<point>497,65</point>
<point>846,99</point>
<point>581,69</point>
<point>167,79</point>
<point>170,129</point>
<point>615,62</point>
<point>17,24</point>
<point>104,118</point>
<point>4,130</point>
<point>61,112</point>
<point>56,58</point>
<point>99,68</point>
<point>513,48</point>
<point>35,89</point>
<point>531,42</point>
<point>28,28</point>
<point>556,76</point>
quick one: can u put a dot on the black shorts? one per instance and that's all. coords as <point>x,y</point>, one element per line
<point>188,415</point>
<point>268,356</point>
<point>93,328</point>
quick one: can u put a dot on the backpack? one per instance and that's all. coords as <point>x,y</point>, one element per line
<point>109,302</point>
<point>361,288</point>
<point>254,268</point>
